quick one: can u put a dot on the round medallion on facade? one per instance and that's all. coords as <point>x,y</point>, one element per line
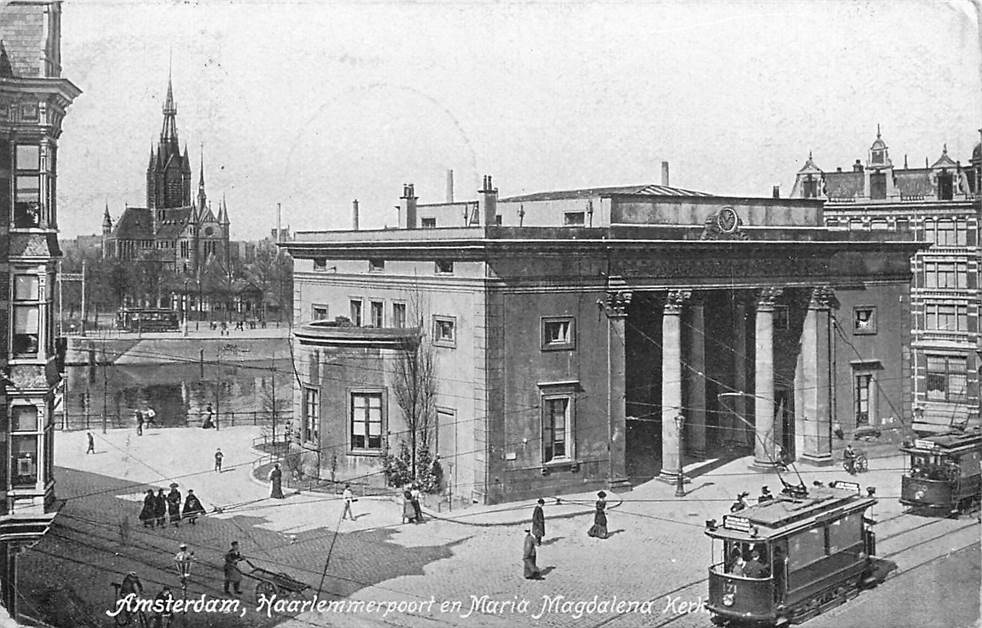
<point>209,231</point>
<point>726,220</point>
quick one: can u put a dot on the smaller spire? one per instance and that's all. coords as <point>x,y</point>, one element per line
<point>877,130</point>
<point>6,70</point>
<point>107,221</point>
<point>944,148</point>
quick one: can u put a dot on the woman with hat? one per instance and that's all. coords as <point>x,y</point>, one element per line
<point>599,528</point>
<point>148,513</point>
<point>192,507</point>
<point>160,507</point>
<point>174,505</point>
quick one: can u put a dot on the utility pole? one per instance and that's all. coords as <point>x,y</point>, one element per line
<point>105,391</point>
<point>61,313</point>
<point>82,330</point>
<point>272,373</point>
<point>218,395</point>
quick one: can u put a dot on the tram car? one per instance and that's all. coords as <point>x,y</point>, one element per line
<point>943,472</point>
<point>786,560</point>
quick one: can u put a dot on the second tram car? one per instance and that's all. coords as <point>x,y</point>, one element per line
<point>943,472</point>
<point>791,558</point>
<point>146,319</point>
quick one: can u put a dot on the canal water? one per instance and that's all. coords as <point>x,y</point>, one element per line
<point>240,393</point>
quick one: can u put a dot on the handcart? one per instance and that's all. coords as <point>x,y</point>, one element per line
<point>272,583</point>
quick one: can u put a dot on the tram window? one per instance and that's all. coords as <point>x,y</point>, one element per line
<point>806,547</point>
<point>845,533</point>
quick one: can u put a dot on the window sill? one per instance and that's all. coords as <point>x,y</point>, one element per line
<point>566,346</point>
<point>372,453</point>
<point>444,344</point>
<point>561,464</point>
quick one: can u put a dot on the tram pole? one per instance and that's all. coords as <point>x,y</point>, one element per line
<point>680,478</point>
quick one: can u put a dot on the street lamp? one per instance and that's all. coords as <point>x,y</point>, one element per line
<point>680,479</point>
<point>183,560</point>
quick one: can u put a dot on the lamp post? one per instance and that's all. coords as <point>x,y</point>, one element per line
<point>680,479</point>
<point>183,560</point>
<point>184,308</point>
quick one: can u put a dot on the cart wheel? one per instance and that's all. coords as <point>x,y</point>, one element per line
<point>265,588</point>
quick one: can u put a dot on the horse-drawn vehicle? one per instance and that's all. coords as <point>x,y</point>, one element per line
<point>943,472</point>
<point>793,557</point>
<point>272,583</point>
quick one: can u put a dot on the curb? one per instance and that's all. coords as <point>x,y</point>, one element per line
<point>513,522</point>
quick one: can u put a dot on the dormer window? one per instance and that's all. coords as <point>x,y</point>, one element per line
<point>945,186</point>
<point>878,157</point>
<point>811,187</point>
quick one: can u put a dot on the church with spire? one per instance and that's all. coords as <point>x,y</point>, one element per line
<point>182,231</point>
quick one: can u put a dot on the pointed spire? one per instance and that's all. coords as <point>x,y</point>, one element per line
<point>877,130</point>
<point>6,70</point>
<point>944,148</point>
<point>107,221</point>
<point>201,176</point>
<point>168,132</point>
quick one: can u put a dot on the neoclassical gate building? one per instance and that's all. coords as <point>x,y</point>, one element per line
<point>571,329</point>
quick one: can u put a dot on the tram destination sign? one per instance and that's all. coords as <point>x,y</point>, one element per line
<point>740,524</point>
<point>920,443</point>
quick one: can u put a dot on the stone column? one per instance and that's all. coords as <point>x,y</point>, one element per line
<point>695,377</point>
<point>813,420</point>
<point>764,379</point>
<point>671,382</point>
<point>735,424</point>
<point>615,304</point>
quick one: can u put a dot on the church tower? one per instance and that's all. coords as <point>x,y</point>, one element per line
<point>169,171</point>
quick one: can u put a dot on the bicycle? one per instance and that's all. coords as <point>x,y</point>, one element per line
<point>125,616</point>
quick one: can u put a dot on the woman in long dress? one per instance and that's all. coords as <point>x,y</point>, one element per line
<point>276,482</point>
<point>599,528</point>
<point>174,505</point>
<point>149,513</point>
<point>160,508</point>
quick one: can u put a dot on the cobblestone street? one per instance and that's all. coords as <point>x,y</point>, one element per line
<point>657,552</point>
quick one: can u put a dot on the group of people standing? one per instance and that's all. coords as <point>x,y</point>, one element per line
<point>159,508</point>
<point>534,535</point>
<point>144,418</point>
<point>412,512</point>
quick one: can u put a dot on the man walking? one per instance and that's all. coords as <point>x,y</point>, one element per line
<point>91,449</point>
<point>538,522</point>
<point>232,574</point>
<point>139,423</point>
<point>348,497</point>
<point>218,460</point>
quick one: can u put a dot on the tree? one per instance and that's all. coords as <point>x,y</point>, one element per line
<point>414,386</point>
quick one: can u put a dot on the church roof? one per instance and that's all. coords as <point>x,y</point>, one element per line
<point>643,190</point>
<point>174,223</point>
<point>135,224</point>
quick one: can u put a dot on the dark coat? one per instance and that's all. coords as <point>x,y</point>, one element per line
<point>174,504</point>
<point>192,506</point>
<point>538,522</point>
<point>160,505</point>
<point>149,512</point>
<point>528,557</point>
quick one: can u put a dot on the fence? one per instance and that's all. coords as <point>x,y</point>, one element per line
<point>75,421</point>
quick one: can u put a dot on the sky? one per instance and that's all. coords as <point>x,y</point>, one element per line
<point>314,104</point>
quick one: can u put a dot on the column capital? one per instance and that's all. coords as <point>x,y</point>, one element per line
<point>617,298</point>
<point>675,300</point>
<point>766,298</point>
<point>822,298</point>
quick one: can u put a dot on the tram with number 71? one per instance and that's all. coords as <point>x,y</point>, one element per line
<point>943,473</point>
<point>793,557</point>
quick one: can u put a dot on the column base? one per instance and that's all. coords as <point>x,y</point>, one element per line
<point>671,477</point>
<point>763,466</point>
<point>817,460</point>
<point>620,482</point>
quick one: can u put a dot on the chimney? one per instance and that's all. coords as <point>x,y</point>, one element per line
<point>450,186</point>
<point>776,191</point>
<point>354,214</point>
<point>664,173</point>
<point>407,207</point>
<point>487,203</point>
<point>279,219</point>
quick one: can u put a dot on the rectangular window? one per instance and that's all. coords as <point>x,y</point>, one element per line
<point>319,312</point>
<point>355,307</point>
<point>944,317</point>
<point>376,265</point>
<point>428,223</point>
<point>24,419</point>
<point>782,317</point>
<point>185,250</point>
<point>311,415</point>
<point>574,219</point>
<point>366,421</point>
<point>376,310</point>
<point>399,315</point>
<point>946,275</point>
<point>558,333</point>
<point>864,386</point>
<point>864,319</point>
<point>806,547</point>
<point>444,331</point>
<point>811,187</point>
<point>26,288</point>
<point>845,533</point>
<point>903,224</point>
<point>947,378</point>
<point>26,330</point>
<point>24,460</point>
<point>444,266</point>
<point>555,427</point>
